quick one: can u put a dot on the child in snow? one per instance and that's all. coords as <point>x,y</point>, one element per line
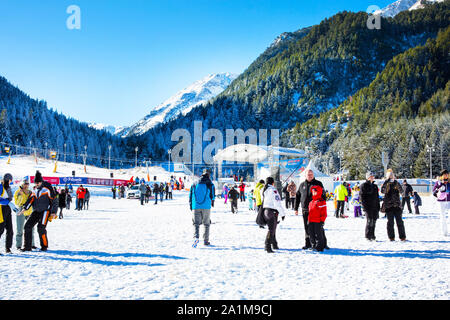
<point>356,202</point>
<point>250,200</point>
<point>417,201</point>
<point>316,219</point>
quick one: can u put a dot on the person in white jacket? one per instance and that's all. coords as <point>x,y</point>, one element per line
<point>273,207</point>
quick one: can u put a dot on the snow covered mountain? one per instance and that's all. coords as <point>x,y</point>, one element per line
<point>182,102</point>
<point>111,129</point>
<point>401,5</point>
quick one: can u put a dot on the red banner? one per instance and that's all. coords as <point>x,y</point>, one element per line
<point>118,182</point>
<point>51,180</point>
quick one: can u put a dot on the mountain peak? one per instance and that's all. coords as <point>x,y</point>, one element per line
<point>182,102</point>
<point>402,5</point>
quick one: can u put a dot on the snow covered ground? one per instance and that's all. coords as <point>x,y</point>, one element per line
<point>122,250</point>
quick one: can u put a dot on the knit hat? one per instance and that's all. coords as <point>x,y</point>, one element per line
<point>205,172</point>
<point>38,177</point>
<point>7,177</point>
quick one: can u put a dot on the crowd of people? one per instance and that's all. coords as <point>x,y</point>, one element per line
<point>35,207</point>
<point>367,199</point>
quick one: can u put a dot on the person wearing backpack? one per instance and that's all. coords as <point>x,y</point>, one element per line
<point>45,208</point>
<point>201,200</point>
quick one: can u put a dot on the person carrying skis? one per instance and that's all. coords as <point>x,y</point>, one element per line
<point>201,200</point>
<point>441,191</point>
<point>6,205</point>
<point>272,206</point>
<point>370,202</point>
<point>45,208</point>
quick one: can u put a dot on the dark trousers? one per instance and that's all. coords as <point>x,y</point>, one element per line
<point>406,200</point>
<point>307,236</point>
<point>395,214</point>
<point>287,201</point>
<point>417,209</point>
<point>305,224</point>
<point>7,224</point>
<point>60,212</point>
<point>41,219</point>
<point>340,208</point>
<point>161,196</point>
<point>292,202</point>
<point>156,198</point>
<point>142,199</point>
<point>370,228</point>
<point>80,204</point>
<point>234,205</point>
<point>86,204</point>
<point>271,217</point>
<point>242,195</point>
<point>114,195</point>
<point>316,235</point>
<point>170,195</point>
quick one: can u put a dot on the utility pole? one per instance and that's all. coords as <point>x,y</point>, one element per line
<point>65,152</point>
<point>169,152</point>
<point>109,157</point>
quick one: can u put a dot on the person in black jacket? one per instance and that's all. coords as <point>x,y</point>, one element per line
<point>370,201</point>
<point>303,198</point>
<point>156,192</point>
<point>62,202</point>
<point>406,195</point>
<point>233,195</point>
<point>392,190</point>
<point>45,208</point>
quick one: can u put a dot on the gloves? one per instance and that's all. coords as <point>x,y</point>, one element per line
<point>212,203</point>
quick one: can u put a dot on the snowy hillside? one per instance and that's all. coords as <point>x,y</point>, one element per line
<point>111,129</point>
<point>182,102</point>
<point>22,166</point>
<point>401,5</point>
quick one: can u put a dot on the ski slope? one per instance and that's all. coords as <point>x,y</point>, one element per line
<point>122,250</point>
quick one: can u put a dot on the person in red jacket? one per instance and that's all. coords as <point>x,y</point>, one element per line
<point>242,191</point>
<point>316,219</point>
<point>81,192</point>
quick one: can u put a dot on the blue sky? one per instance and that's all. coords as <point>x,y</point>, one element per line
<point>131,55</point>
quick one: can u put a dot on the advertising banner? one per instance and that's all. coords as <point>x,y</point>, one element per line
<point>73,180</point>
<point>51,180</point>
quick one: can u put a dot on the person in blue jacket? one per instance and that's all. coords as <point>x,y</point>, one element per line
<point>201,200</point>
<point>6,205</point>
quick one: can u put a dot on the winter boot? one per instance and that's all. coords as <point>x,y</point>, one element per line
<point>268,243</point>
<point>307,244</point>
<point>275,245</point>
